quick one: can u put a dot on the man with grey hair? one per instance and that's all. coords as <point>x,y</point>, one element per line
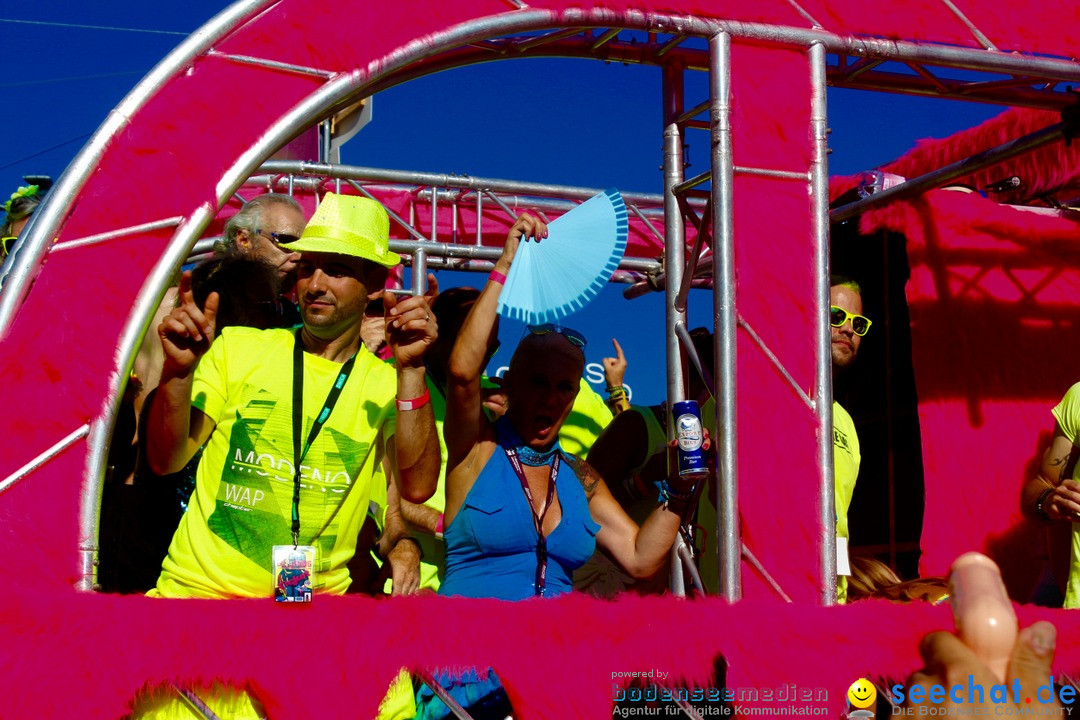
<point>260,228</point>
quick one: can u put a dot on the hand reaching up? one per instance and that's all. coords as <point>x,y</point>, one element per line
<point>615,367</point>
<point>186,332</point>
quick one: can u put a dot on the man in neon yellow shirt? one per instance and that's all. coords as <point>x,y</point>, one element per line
<point>1053,495</point>
<point>848,328</point>
<point>241,401</point>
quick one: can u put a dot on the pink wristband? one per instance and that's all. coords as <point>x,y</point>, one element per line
<point>439,527</point>
<point>498,277</point>
<point>415,403</point>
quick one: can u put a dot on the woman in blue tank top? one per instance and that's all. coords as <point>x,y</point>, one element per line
<point>520,513</point>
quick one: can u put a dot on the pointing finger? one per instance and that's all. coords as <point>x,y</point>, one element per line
<point>187,297</point>
<point>210,310</point>
<point>390,301</point>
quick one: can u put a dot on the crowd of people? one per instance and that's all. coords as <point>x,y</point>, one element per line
<point>292,428</point>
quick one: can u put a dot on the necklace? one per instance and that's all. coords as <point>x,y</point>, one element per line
<point>508,437</point>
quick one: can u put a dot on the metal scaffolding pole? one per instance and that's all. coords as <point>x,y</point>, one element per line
<point>674,262</point>
<point>819,189</point>
<point>945,175</point>
<point>725,318</point>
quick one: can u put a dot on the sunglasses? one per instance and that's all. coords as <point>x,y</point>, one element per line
<point>278,238</point>
<point>838,316</point>
<point>573,336</point>
<point>8,243</point>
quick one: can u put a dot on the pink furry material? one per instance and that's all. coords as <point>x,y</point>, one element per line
<point>1046,170</point>
<point>992,297</point>
<point>66,654</point>
<point>102,650</point>
<point>1052,168</point>
<point>774,254</point>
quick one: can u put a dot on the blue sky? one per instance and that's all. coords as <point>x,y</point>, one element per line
<point>587,123</point>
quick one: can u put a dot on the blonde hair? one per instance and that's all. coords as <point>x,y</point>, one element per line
<point>868,576</point>
<point>871,578</point>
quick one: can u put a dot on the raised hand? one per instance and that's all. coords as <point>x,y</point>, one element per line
<point>495,397</point>
<point>404,562</point>
<point>186,332</point>
<point>526,226</point>
<point>988,652</point>
<point>615,367</point>
<point>410,325</point>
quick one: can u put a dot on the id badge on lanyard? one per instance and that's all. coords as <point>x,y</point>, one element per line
<point>294,565</point>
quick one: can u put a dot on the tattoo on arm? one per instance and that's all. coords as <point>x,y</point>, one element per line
<point>1064,464</point>
<point>588,477</point>
<point>1058,464</point>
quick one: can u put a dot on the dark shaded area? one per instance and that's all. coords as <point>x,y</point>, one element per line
<point>886,514</point>
<point>137,519</point>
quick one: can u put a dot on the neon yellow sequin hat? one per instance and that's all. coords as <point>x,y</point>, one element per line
<point>348,225</point>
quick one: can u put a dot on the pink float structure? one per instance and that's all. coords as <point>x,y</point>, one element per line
<point>769,64</point>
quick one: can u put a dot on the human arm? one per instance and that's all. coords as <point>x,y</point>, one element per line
<point>1053,488</point>
<point>414,448</point>
<point>399,548</point>
<point>621,447</point>
<point>639,551</point>
<point>175,430</point>
<point>464,414</point>
<point>421,517</point>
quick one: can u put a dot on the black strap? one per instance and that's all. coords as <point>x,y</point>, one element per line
<point>538,520</point>
<point>298,420</point>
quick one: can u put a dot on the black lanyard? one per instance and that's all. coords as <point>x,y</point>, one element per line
<point>298,420</point>
<point>538,520</point>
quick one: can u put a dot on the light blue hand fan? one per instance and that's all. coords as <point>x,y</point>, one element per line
<point>562,273</point>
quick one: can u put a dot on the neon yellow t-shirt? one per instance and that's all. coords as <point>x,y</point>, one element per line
<point>1067,414</point>
<point>587,419</point>
<point>242,502</point>
<point>846,459</point>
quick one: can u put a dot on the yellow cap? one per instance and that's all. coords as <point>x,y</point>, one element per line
<point>348,225</point>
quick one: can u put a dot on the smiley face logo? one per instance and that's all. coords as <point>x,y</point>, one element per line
<point>862,693</point>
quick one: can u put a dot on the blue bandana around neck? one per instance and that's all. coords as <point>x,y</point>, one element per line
<point>508,437</point>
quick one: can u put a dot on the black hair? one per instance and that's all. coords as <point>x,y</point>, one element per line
<point>247,289</point>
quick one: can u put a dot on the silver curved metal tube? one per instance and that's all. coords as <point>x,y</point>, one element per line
<point>48,218</point>
<point>54,211</point>
<point>102,427</point>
